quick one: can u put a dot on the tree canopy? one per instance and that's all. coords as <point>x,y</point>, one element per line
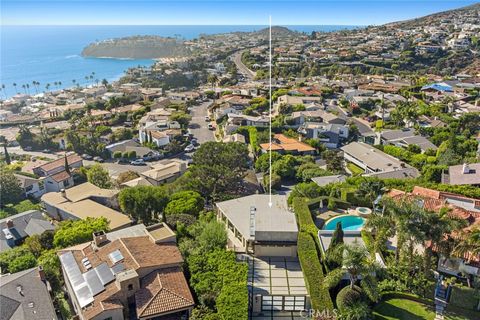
<point>185,202</point>
<point>143,203</point>
<point>72,232</point>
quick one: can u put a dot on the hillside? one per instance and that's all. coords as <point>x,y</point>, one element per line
<point>137,47</point>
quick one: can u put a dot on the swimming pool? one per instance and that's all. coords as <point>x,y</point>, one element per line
<point>349,223</point>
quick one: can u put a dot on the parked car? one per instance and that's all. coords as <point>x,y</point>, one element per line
<point>98,159</point>
<point>207,118</point>
<point>138,162</point>
<point>211,126</point>
<point>190,148</point>
<point>194,141</point>
<point>27,148</point>
<point>86,157</point>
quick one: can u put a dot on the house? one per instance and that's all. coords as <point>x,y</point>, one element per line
<point>466,174</point>
<point>459,207</point>
<point>236,137</point>
<point>26,295</point>
<point>296,100</point>
<point>323,181</point>
<point>135,273</point>
<point>128,146</point>
<point>16,228</point>
<point>404,138</point>
<point>374,161</point>
<point>32,187</point>
<point>85,200</point>
<point>300,117</point>
<point>244,120</point>
<point>255,227</point>
<point>57,177</point>
<point>284,144</point>
<point>160,173</point>
<point>329,134</point>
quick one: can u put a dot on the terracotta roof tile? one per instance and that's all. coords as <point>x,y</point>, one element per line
<point>163,291</point>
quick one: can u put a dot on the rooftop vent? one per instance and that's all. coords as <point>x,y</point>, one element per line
<point>253,210</point>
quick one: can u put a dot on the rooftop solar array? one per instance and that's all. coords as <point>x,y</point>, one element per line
<point>104,273</point>
<point>90,283</point>
<point>74,275</point>
<point>93,282</point>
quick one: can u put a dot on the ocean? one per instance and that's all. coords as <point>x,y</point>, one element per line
<point>51,54</point>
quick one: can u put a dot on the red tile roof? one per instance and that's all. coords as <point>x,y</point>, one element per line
<point>163,291</point>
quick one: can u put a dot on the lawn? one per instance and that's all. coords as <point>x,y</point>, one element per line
<point>404,309</point>
<point>354,169</point>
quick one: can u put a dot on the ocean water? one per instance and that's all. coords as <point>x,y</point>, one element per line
<point>49,54</point>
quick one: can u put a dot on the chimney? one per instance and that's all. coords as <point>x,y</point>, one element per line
<point>465,169</point>
<point>99,238</point>
<point>9,223</point>
<point>41,274</point>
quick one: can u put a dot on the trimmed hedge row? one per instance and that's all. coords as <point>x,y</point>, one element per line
<point>464,297</point>
<point>308,256</point>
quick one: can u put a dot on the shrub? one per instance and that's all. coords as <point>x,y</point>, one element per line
<point>132,154</point>
<point>349,296</point>
<point>117,154</point>
<point>464,297</point>
<point>312,270</point>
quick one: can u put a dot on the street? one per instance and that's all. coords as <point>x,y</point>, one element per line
<point>198,125</point>
<point>237,59</point>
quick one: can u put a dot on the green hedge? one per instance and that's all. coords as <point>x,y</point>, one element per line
<point>464,297</point>
<point>349,195</point>
<point>313,273</point>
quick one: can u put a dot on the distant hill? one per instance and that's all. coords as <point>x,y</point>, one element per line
<point>434,17</point>
<point>137,47</point>
<point>277,32</point>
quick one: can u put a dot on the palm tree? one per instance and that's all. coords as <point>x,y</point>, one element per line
<point>24,88</point>
<point>212,79</point>
<point>34,83</point>
<point>371,190</point>
<point>47,86</point>
<point>3,141</point>
<point>356,261</point>
<point>59,83</point>
<point>470,243</point>
<point>97,81</point>
<point>28,88</point>
<point>55,84</point>
<point>105,82</point>
<point>15,86</point>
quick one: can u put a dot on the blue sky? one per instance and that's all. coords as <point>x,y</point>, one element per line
<point>217,12</point>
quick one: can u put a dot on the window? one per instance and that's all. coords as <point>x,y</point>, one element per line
<point>66,183</point>
<point>130,287</point>
<point>29,188</point>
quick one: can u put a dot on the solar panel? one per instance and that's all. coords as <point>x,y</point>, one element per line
<point>93,282</point>
<point>74,275</point>
<point>84,296</point>
<point>104,273</point>
<point>115,256</point>
<point>119,267</point>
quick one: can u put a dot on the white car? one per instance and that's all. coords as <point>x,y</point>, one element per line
<point>207,118</point>
<point>211,126</point>
<point>190,148</point>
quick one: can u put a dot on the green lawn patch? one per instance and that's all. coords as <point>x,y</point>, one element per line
<point>354,169</point>
<point>405,309</point>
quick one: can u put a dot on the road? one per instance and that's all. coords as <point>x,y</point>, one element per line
<point>37,154</point>
<point>198,125</point>
<point>237,59</point>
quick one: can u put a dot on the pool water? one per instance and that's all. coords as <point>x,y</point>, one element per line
<point>349,223</point>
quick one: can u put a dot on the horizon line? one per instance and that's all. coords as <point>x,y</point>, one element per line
<point>179,25</point>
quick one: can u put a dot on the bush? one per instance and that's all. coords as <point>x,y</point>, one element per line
<point>186,219</point>
<point>312,270</point>
<point>348,297</point>
<point>117,154</point>
<point>132,154</point>
<point>464,297</point>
